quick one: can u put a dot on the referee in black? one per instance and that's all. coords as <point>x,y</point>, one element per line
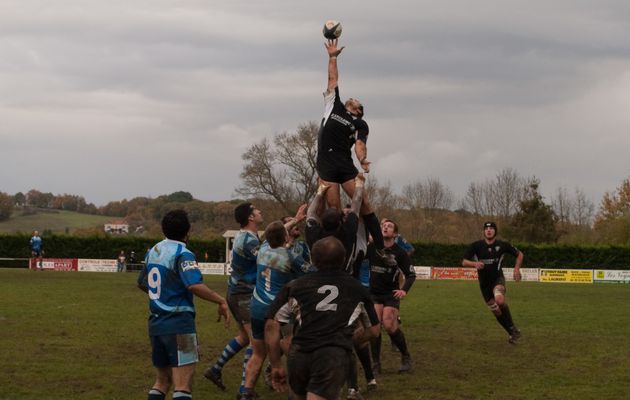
<point>342,128</point>
<point>326,304</point>
<point>487,256</point>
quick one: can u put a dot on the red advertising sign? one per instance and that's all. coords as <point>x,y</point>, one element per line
<point>460,273</point>
<point>55,264</point>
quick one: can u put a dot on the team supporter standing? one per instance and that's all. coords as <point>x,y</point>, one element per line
<point>276,267</point>
<point>240,287</point>
<point>386,294</point>
<point>343,127</point>
<point>37,250</point>
<point>327,303</point>
<point>171,277</point>
<point>487,256</point>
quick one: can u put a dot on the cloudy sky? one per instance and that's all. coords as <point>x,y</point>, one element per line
<point>117,99</point>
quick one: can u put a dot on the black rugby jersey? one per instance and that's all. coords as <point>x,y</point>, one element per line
<point>491,255</point>
<point>325,305</point>
<point>347,235</point>
<point>384,278</point>
<point>337,133</point>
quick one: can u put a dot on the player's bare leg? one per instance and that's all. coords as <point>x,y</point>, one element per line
<point>182,381</point>
<point>333,194</point>
<point>163,381</point>
<point>390,323</point>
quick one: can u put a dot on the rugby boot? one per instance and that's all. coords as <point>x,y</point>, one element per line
<point>405,363</point>
<point>215,377</point>
<point>515,336</point>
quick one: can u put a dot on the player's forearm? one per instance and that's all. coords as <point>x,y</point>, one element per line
<point>272,338</point>
<point>357,197</point>
<point>360,149</point>
<point>204,292</point>
<point>333,73</point>
<point>519,261</point>
<point>311,213</point>
<point>468,264</point>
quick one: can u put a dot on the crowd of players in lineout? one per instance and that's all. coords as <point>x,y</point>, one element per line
<point>321,302</point>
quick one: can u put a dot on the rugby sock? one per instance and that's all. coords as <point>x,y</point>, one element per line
<point>229,351</point>
<point>363,354</point>
<point>376,348</point>
<point>398,338</point>
<point>374,227</point>
<point>507,317</point>
<point>353,373</point>
<point>502,321</point>
<point>248,355</point>
<point>155,394</point>
<point>182,395</point>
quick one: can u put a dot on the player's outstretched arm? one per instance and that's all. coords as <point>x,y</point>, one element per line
<point>357,197</point>
<point>360,149</point>
<point>333,72</point>
<point>317,203</point>
<point>204,292</point>
<point>299,216</point>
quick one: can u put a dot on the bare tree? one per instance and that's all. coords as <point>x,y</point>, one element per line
<point>562,205</point>
<point>583,209</point>
<point>283,170</point>
<point>497,197</point>
<point>431,194</point>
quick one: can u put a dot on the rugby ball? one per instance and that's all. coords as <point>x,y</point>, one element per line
<point>332,29</point>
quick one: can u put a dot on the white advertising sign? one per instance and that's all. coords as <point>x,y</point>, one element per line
<point>212,268</point>
<point>94,265</point>
<point>527,274</point>
<point>423,272</point>
<point>611,276</point>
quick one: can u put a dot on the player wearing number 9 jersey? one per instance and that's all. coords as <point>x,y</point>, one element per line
<point>171,277</point>
<point>326,303</point>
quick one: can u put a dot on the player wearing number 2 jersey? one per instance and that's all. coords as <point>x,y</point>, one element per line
<point>325,304</point>
<point>170,278</point>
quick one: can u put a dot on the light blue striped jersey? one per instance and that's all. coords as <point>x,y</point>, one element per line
<point>36,243</point>
<point>276,267</point>
<point>170,268</point>
<point>404,244</point>
<point>299,250</point>
<point>244,252</point>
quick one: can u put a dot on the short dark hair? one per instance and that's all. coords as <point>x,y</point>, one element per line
<point>242,213</point>
<point>328,254</point>
<point>331,219</point>
<point>275,234</point>
<point>391,222</point>
<point>176,225</point>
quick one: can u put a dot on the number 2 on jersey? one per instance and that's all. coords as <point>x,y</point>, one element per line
<point>326,304</point>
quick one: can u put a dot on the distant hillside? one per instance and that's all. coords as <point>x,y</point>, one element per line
<point>56,221</point>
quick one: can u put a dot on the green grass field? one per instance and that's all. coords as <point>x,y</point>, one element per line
<point>57,222</point>
<point>83,336</point>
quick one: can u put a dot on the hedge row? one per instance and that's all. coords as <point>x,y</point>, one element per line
<point>536,256</point>
<point>62,246</point>
<point>435,254</point>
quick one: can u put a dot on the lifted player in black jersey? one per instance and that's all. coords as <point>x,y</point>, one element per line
<point>386,294</point>
<point>343,127</point>
<point>487,255</point>
<point>325,303</point>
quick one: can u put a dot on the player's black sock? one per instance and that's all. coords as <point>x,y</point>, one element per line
<point>374,227</point>
<point>182,395</point>
<point>363,354</point>
<point>353,373</point>
<point>507,317</point>
<point>376,349</point>
<point>155,394</point>
<point>501,320</point>
<point>398,338</point>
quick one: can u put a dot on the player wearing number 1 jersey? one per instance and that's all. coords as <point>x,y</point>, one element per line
<point>325,303</point>
<point>171,277</point>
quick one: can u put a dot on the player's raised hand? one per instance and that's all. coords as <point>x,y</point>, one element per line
<point>331,48</point>
<point>301,213</point>
<point>279,379</point>
<point>365,164</point>
<point>224,312</point>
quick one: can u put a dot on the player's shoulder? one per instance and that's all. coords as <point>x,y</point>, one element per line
<point>360,123</point>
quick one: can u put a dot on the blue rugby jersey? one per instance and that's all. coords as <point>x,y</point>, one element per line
<point>299,250</point>
<point>36,243</point>
<point>275,268</point>
<point>170,268</point>
<point>403,244</point>
<point>244,251</point>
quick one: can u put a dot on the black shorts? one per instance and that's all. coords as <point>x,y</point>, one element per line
<point>387,300</point>
<point>239,307</point>
<point>487,286</point>
<point>322,372</point>
<point>338,171</point>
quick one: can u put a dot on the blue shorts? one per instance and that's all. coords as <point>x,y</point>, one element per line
<point>174,350</point>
